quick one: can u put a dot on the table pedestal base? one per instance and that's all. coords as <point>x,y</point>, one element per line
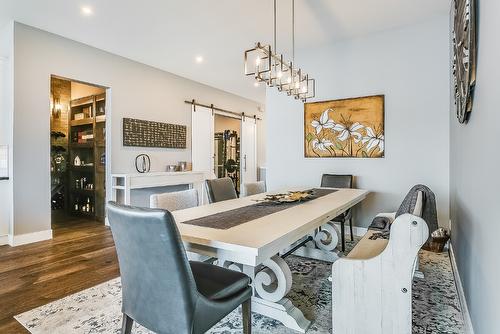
<point>272,280</point>
<point>283,311</point>
<point>317,254</point>
<point>324,246</point>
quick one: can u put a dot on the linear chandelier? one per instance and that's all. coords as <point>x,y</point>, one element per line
<point>269,67</point>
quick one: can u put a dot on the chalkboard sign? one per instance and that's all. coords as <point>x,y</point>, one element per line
<point>142,133</point>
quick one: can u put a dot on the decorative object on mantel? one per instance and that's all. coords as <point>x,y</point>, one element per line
<point>182,166</point>
<point>171,168</point>
<point>143,163</point>
<point>265,65</point>
<point>142,133</point>
<point>347,128</point>
<point>464,56</point>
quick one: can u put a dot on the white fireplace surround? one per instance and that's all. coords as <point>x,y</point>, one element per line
<point>123,184</point>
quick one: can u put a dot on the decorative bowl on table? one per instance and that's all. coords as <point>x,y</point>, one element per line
<point>289,197</point>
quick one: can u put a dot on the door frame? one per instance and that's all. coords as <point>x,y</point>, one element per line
<point>255,148</point>
<point>242,118</point>
<point>109,133</point>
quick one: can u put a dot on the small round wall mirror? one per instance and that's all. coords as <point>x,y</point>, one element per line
<point>143,163</point>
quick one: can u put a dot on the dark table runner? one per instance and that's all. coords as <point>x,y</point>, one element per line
<point>227,219</point>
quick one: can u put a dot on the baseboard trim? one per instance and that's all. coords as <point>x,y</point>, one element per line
<point>4,240</point>
<point>461,295</point>
<point>28,238</point>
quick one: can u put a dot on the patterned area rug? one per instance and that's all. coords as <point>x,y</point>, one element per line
<point>436,307</point>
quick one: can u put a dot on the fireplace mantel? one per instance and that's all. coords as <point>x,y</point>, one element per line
<point>123,184</point>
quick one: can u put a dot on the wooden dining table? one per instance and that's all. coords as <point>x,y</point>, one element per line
<point>256,247</point>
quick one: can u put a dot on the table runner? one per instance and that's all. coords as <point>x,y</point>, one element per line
<point>231,218</point>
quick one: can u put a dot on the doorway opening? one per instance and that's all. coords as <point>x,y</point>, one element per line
<point>227,132</point>
<point>78,152</point>
<point>224,143</point>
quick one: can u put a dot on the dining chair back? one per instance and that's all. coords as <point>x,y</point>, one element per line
<point>336,181</point>
<point>340,181</point>
<point>253,188</point>
<point>220,190</point>
<point>176,200</point>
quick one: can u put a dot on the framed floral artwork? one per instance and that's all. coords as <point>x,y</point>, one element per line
<point>347,128</point>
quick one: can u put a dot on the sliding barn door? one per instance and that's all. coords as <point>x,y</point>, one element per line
<point>248,150</point>
<point>202,139</point>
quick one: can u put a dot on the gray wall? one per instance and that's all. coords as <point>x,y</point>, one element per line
<point>136,91</point>
<point>6,107</point>
<point>475,182</point>
<point>409,66</point>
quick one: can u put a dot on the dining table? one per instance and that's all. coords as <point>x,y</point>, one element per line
<point>254,236</point>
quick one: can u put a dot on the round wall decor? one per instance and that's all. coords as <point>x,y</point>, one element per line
<point>464,56</point>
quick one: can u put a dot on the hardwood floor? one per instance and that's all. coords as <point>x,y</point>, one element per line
<point>81,255</point>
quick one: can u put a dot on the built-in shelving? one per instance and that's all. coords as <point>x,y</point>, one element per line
<point>87,141</point>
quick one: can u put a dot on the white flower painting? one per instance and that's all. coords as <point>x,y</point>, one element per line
<point>372,140</point>
<point>321,144</point>
<point>323,123</point>
<point>345,128</point>
<point>348,132</point>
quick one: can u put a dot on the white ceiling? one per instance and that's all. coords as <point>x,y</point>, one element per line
<point>169,34</point>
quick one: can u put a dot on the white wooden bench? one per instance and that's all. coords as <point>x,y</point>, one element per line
<point>372,284</point>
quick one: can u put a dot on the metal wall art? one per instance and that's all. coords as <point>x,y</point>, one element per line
<point>464,56</point>
<point>142,133</point>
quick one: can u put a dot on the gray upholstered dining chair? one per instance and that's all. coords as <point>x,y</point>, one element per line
<point>253,188</point>
<point>176,200</point>
<point>340,181</point>
<point>220,190</point>
<point>161,289</point>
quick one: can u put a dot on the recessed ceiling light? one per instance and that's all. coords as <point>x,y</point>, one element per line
<point>199,59</point>
<point>86,10</point>
<point>256,84</point>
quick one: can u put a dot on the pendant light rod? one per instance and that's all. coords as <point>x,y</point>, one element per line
<point>293,31</point>
<point>274,26</point>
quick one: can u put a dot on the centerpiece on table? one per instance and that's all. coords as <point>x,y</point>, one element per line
<point>289,197</point>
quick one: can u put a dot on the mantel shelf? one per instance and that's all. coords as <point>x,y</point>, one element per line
<point>127,182</point>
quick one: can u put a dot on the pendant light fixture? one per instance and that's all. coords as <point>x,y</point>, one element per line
<point>266,65</point>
